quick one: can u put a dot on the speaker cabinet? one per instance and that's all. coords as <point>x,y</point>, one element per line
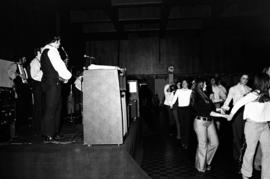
<point>133,90</point>
<point>104,107</point>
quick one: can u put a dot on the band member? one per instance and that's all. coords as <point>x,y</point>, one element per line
<point>54,71</point>
<point>36,75</point>
<point>18,74</point>
<point>236,93</point>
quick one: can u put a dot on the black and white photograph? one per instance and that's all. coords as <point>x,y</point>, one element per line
<point>135,89</point>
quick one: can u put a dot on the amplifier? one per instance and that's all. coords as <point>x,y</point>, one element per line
<point>7,113</point>
<point>122,81</point>
<point>7,106</point>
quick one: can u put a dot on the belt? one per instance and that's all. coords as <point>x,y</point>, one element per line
<point>203,118</point>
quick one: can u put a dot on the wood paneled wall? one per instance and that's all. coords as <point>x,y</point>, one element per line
<point>207,52</point>
<point>150,55</point>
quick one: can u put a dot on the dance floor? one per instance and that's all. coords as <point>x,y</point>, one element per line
<point>165,158</point>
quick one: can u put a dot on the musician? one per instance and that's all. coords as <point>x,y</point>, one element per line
<point>17,73</point>
<point>36,75</point>
<point>54,71</point>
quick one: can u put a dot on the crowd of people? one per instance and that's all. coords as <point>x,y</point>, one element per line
<point>207,102</point>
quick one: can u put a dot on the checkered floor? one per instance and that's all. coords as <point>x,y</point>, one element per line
<point>164,158</point>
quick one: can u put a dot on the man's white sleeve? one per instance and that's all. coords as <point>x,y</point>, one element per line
<point>58,64</point>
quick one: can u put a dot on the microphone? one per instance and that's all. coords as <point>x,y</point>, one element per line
<point>86,56</point>
<point>64,51</point>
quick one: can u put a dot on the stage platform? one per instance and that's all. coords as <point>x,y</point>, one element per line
<point>31,159</point>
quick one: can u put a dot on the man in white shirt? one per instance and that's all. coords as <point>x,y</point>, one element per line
<point>236,93</point>
<point>218,97</point>
<point>219,94</point>
<point>183,96</point>
<point>36,75</point>
<point>54,72</point>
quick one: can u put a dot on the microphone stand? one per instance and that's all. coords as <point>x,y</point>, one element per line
<point>66,59</point>
<point>70,97</point>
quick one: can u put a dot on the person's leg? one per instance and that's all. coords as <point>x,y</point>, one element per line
<point>216,120</point>
<point>242,140</point>
<point>51,103</point>
<point>265,146</point>
<point>218,124</point>
<point>213,142</point>
<point>258,158</point>
<point>19,113</point>
<point>186,125</point>
<point>177,122</point>
<point>170,120</point>
<point>182,117</point>
<point>237,129</point>
<point>58,110</point>
<point>37,108</point>
<point>252,133</point>
<point>182,123</point>
<point>200,158</point>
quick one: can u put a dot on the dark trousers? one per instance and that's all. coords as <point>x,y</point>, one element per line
<point>52,108</point>
<point>37,107</point>
<point>238,125</point>
<point>170,115</point>
<point>23,104</point>
<point>184,114</point>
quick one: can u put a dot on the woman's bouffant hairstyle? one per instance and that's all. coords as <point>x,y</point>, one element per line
<point>262,82</point>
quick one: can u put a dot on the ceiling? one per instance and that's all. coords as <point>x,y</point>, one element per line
<point>127,16</point>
